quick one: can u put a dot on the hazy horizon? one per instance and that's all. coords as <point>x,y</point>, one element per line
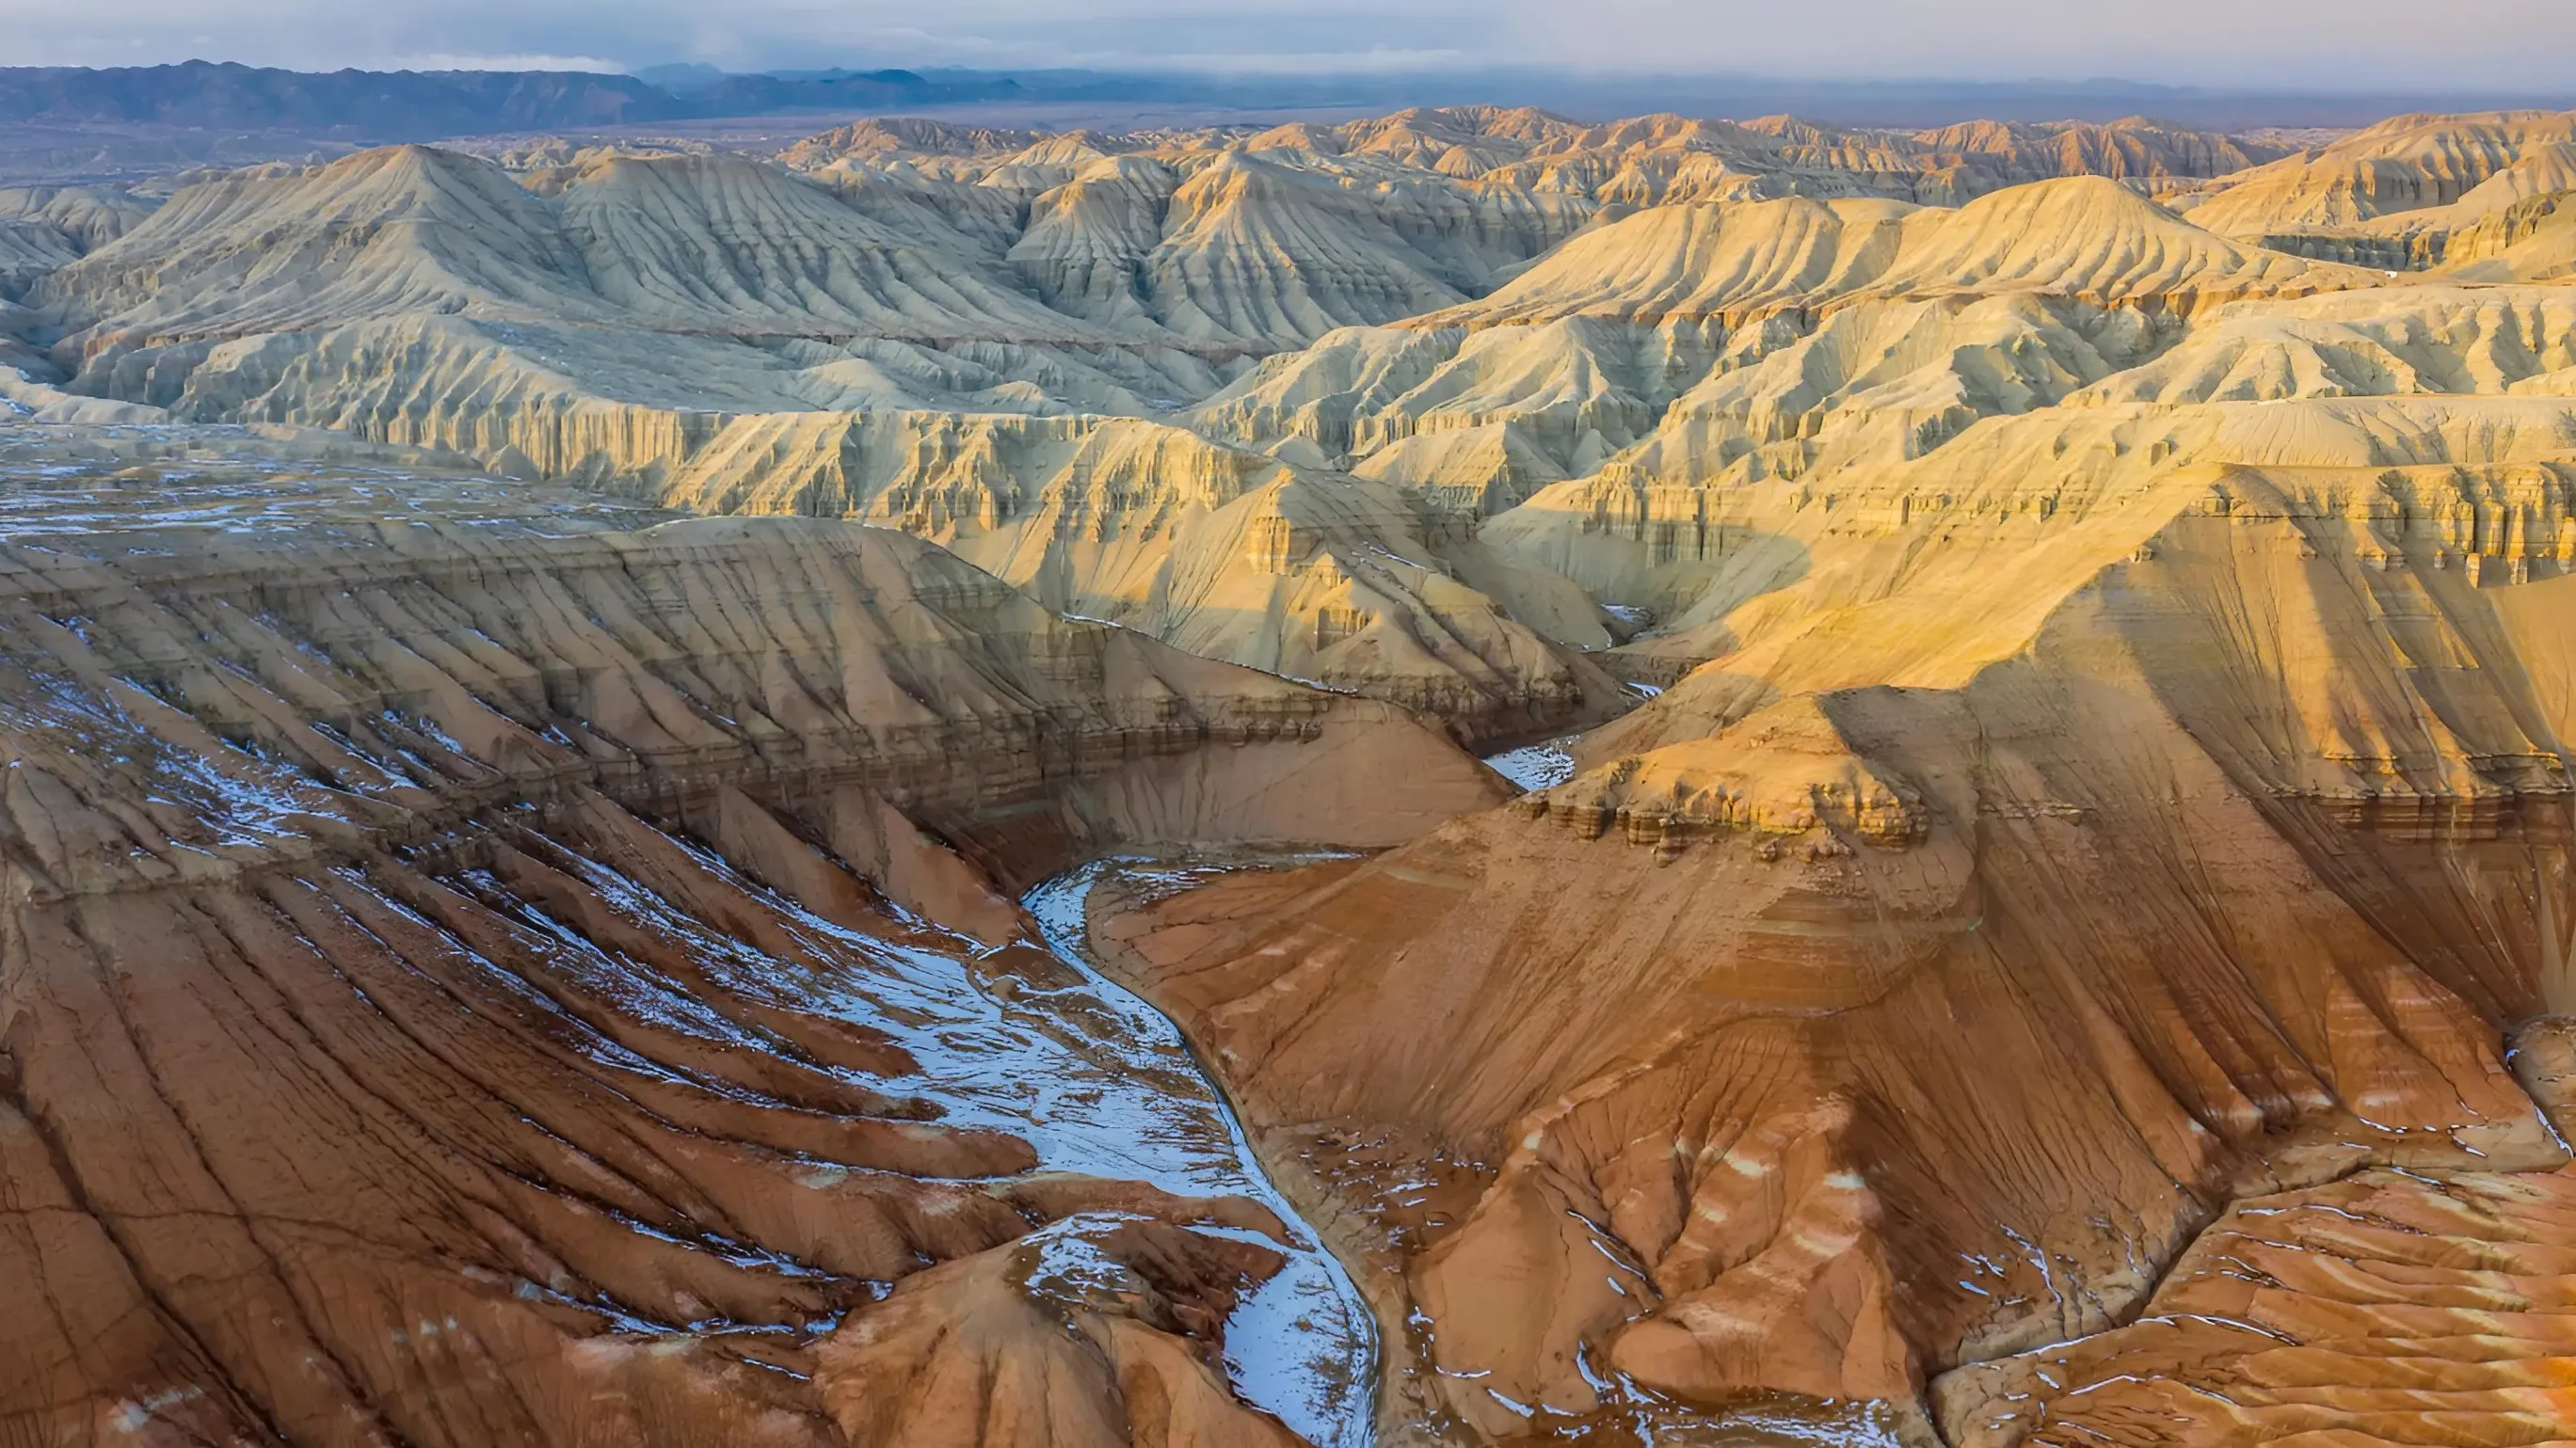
<point>2490,46</point>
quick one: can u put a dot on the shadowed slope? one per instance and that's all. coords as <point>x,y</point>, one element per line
<point>476,973</point>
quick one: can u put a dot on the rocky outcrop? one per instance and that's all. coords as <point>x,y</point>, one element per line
<point>2532,240</point>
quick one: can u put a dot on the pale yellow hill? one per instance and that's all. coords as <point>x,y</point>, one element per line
<point>2403,164</point>
<point>683,244</point>
<point>968,221</point>
<point>2394,341</point>
<point>401,229</point>
<point>1225,553</point>
<point>1262,253</point>
<point>907,136</point>
<point>1559,397</point>
<point>2542,170</point>
<point>676,282</point>
<point>2485,220</point>
<point>1087,239</point>
<point>723,245</point>
<point>1652,160</point>
<point>88,216</point>
<point>1705,260</point>
<point>2088,239</point>
<point>1265,242</point>
<point>1677,343</point>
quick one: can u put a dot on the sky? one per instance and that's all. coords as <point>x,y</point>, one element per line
<point>2333,45</point>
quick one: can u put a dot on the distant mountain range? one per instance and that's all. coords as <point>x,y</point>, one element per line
<point>381,106</point>
<point>417,105</point>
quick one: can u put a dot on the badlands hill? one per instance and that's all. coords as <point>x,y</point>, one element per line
<point>711,330</point>
<point>727,334</point>
<point>2051,644</point>
<point>1638,161</point>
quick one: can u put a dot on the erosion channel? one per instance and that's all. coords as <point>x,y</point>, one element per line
<point>1303,1345</point>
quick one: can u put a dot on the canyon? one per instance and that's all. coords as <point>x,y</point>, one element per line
<point>1455,778</point>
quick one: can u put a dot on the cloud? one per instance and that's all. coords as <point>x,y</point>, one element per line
<point>1375,61</point>
<point>444,60</point>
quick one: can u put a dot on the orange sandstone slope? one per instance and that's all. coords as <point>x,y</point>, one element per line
<point>1908,985</point>
<point>474,973</point>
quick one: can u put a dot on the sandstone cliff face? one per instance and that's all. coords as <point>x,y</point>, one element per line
<point>477,971</point>
<point>2532,240</point>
